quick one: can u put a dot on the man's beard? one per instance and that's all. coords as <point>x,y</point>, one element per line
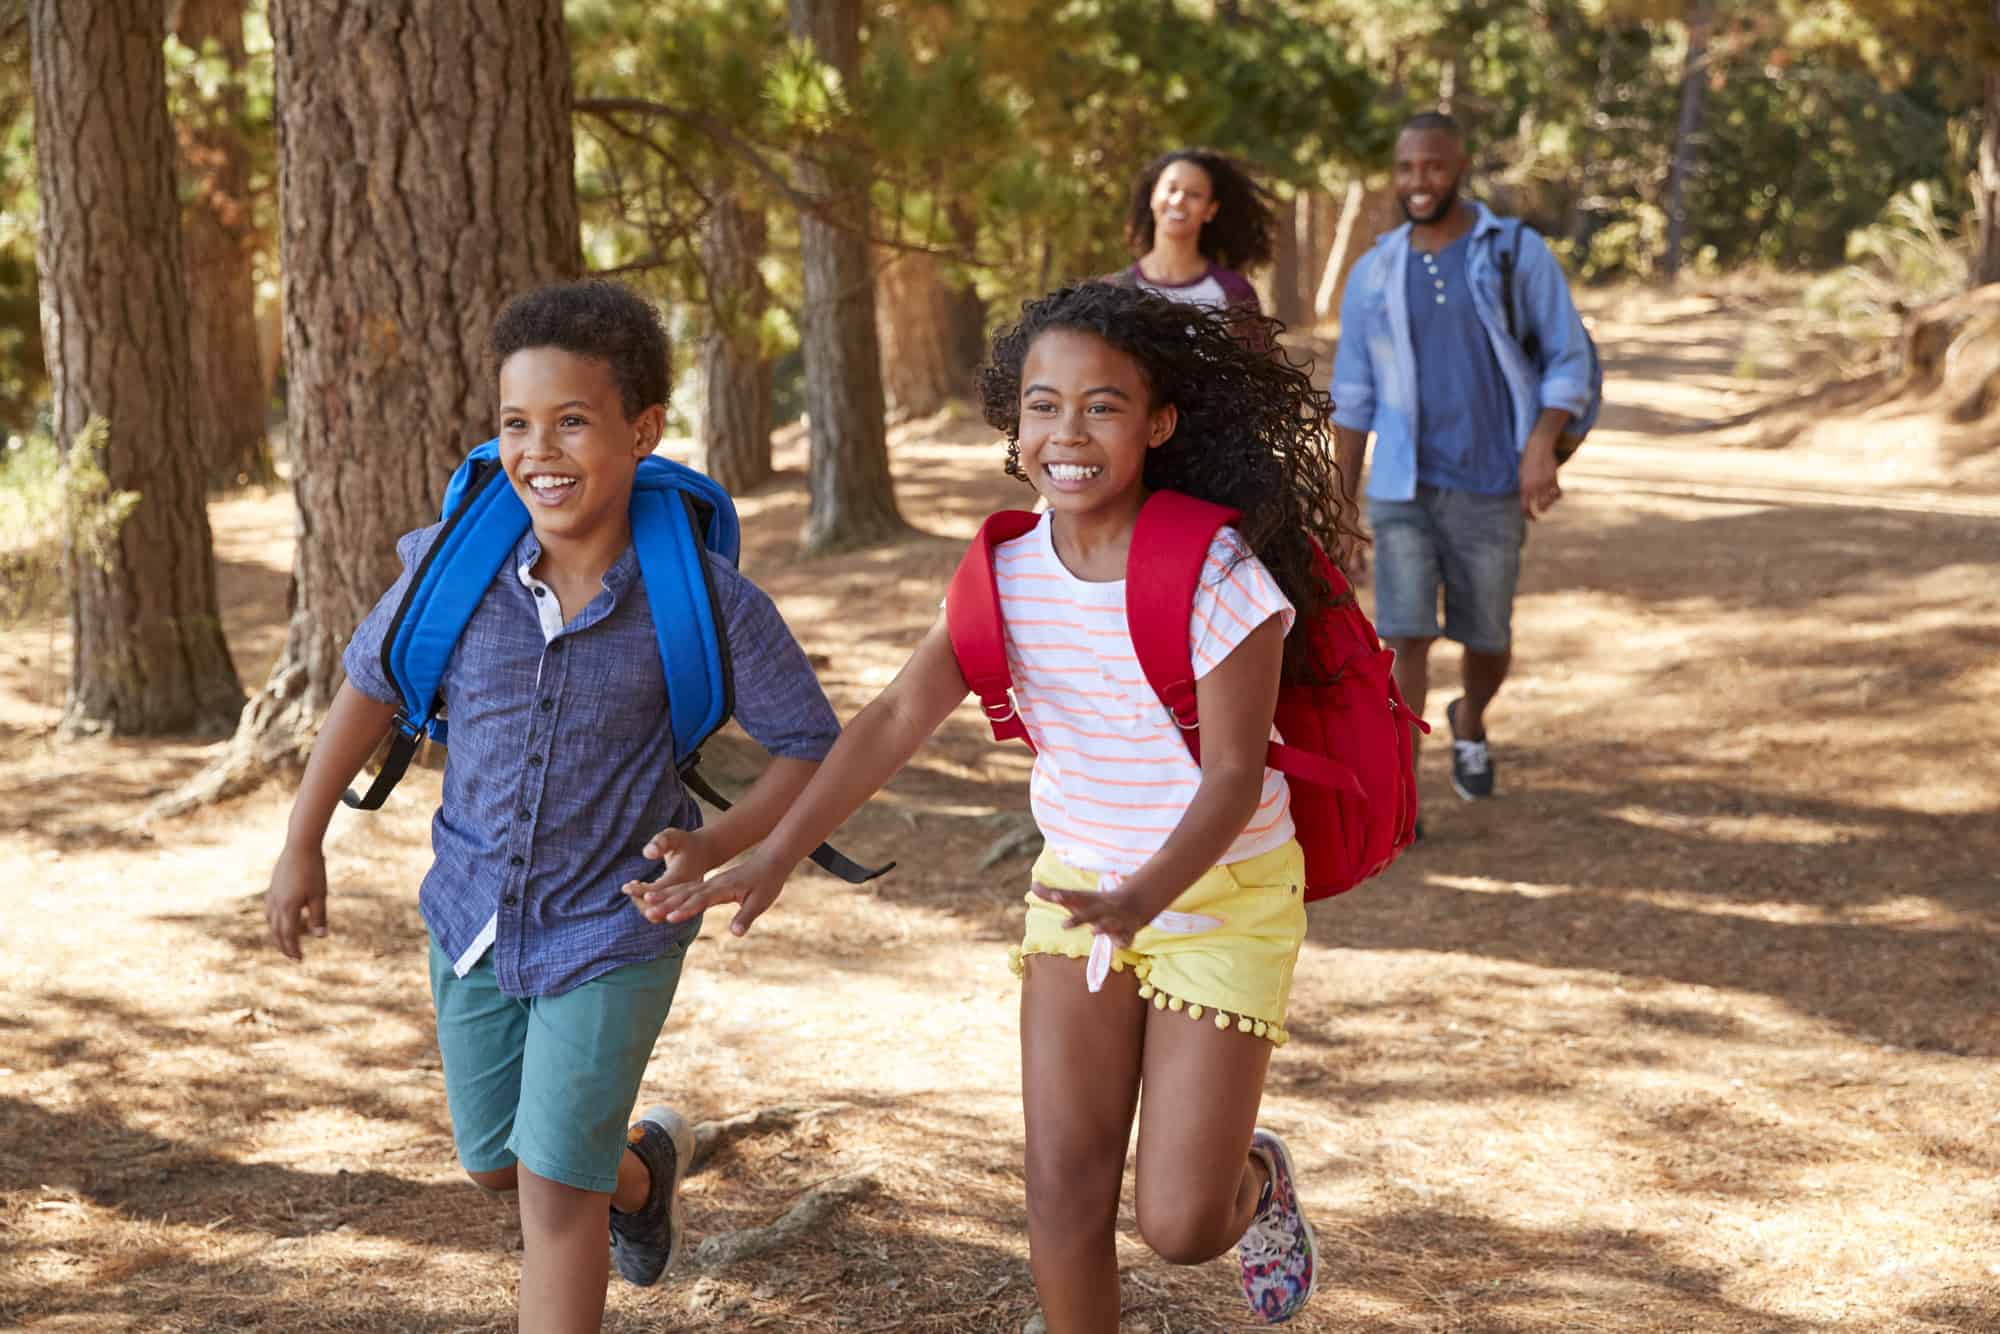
<point>1439,211</point>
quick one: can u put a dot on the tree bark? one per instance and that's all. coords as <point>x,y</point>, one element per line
<point>219,226</point>
<point>1989,178</point>
<point>853,497</point>
<point>734,434</point>
<point>408,219</point>
<point>147,651</point>
<point>919,320</point>
<point>1694,82</point>
<point>1288,261</point>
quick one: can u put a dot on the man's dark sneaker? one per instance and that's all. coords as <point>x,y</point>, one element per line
<point>1471,762</point>
<point>646,1242</point>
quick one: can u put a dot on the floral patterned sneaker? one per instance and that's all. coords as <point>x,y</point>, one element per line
<point>646,1242</point>
<point>1279,1257</point>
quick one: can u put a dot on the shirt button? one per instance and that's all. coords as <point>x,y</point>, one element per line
<point>510,899</point>
<point>523,814</point>
<point>534,761</point>
<point>541,592</point>
<point>555,645</point>
<point>515,861</point>
<point>548,704</point>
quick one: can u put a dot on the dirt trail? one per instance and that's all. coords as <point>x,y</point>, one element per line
<point>1694,1028</point>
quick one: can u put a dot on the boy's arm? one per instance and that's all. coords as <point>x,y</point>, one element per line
<point>879,741</point>
<point>355,725</point>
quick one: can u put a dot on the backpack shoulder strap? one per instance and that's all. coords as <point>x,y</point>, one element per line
<point>687,622</point>
<point>484,520</point>
<point>1170,543</point>
<point>978,637</point>
<point>1172,538</point>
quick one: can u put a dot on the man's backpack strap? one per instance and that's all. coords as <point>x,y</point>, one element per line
<point>1170,544</point>
<point>978,637</point>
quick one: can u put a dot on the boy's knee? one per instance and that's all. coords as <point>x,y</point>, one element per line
<point>500,1181</point>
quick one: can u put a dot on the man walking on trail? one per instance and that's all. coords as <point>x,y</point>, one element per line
<point>1466,423</point>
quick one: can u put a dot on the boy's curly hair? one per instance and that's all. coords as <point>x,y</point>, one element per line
<point>1252,431</point>
<point>1242,233</point>
<point>592,318</point>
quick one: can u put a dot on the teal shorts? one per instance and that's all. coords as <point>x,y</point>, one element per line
<point>548,1081</point>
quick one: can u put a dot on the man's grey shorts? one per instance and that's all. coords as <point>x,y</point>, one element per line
<point>1468,546</point>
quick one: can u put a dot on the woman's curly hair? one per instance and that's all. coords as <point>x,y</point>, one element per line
<point>1251,432</point>
<point>1241,235</point>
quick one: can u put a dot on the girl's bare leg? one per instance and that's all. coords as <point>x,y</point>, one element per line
<point>1080,1055</point>
<point>1197,1184</point>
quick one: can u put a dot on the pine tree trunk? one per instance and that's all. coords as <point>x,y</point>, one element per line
<point>1989,178</point>
<point>219,227</point>
<point>408,219</point>
<point>1694,82</point>
<point>853,495</point>
<point>734,434</point>
<point>919,320</point>
<point>147,652</point>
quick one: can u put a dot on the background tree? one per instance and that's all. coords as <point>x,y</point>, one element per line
<point>147,652</point>
<point>853,494</point>
<point>222,237</point>
<point>733,425</point>
<point>408,220</point>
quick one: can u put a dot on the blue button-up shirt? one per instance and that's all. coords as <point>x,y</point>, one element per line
<point>1375,370</point>
<point>561,766</point>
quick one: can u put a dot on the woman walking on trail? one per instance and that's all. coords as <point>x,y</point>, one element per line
<point>1197,223</point>
<point>1166,910</point>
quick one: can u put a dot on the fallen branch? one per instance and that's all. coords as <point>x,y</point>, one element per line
<point>710,1136</point>
<point>807,1212</point>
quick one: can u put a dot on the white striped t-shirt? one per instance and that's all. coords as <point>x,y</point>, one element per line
<point>1112,775</point>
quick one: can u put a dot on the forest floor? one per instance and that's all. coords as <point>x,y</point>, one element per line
<point>1693,1028</point>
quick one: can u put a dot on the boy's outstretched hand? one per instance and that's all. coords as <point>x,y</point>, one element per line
<point>298,890</point>
<point>681,892</point>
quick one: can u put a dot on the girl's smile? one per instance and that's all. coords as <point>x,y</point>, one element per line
<point>1087,422</point>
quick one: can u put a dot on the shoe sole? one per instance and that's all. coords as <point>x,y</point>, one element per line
<point>682,1134</point>
<point>1284,1154</point>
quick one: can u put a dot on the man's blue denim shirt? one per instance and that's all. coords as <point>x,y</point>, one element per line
<point>1374,370</point>
<point>561,766</point>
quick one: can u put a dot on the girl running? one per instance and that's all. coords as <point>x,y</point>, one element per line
<point>1189,873</point>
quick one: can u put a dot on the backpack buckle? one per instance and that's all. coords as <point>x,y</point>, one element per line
<point>1010,704</point>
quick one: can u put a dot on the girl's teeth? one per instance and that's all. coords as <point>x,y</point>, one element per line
<point>550,483</point>
<point>1070,472</point>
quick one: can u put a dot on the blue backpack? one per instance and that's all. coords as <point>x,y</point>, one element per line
<point>1531,342</point>
<point>677,514</point>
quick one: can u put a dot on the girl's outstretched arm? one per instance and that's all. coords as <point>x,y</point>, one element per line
<point>879,741</point>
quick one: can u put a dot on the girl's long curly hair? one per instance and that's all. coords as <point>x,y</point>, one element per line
<point>1242,233</point>
<point>1251,432</point>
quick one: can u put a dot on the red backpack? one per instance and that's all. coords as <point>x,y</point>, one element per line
<point>1346,742</point>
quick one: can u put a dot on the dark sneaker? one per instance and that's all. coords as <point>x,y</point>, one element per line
<point>646,1242</point>
<point>1280,1259</point>
<point>1471,762</point>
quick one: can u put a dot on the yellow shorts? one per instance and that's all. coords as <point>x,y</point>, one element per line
<point>1238,972</point>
